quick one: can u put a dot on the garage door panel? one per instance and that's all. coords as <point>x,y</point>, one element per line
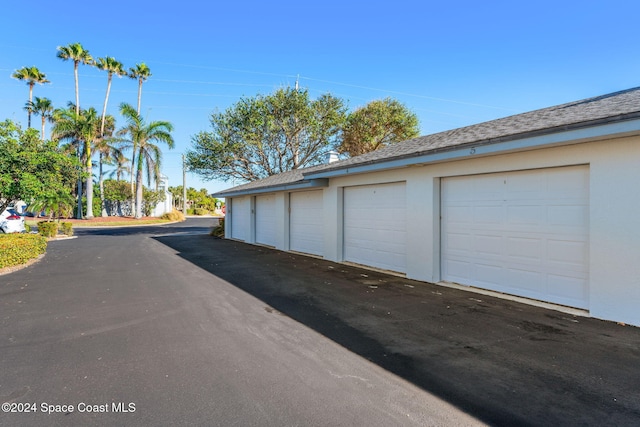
<point>525,248</point>
<point>459,242</point>
<point>526,233</point>
<point>265,220</point>
<point>488,214</point>
<point>489,273</point>
<point>525,214</point>
<point>240,218</point>
<point>572,215</point>
<point>306,232</point>
<point>567,287</point>
<point>568,253</point>
<point>374,223</point>
<point>526,279</point>
<point>488,244</point>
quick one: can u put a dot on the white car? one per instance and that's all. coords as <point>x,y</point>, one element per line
<point>11,222</point>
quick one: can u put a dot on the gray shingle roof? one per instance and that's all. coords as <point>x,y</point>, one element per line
<point>617,106</point>
<point>280,179</point>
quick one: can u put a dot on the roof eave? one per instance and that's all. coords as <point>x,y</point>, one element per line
<point>299,185</point>
<point>610,130</point>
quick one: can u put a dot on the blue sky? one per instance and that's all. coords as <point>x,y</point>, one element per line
<point>453,63</point>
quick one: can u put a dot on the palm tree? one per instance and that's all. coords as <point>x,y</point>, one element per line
<point>107,150</point>
<point>59,204</point>
<point>111,66</point>
<point>82,130</point>
<point>121,162</point>
<point>32,76</point>
<point>142,136</point>
<point>42,107</point>
<point>141,73</point>
<point>79,55</point>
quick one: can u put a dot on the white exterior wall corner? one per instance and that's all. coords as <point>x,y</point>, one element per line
<point>227,216</point>
<point>422,215</point>
<point>615,231</point>
<point>333,221</point>
<point>282,221</point>
<point>252,220</point>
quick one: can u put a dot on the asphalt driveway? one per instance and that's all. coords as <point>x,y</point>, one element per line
<point>194,330</point>
<point>503,362</point>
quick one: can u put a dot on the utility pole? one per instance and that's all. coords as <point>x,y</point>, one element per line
<point>184,187</point>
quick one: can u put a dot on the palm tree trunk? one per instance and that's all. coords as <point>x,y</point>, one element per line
<point>133,194</point>
<point>139,188</point>
<point>103,207</point>
<point>30,103</point>
<point>79,214</point>
<point>139,93</point>
<point>75,73</point>
<point>43,120</point>
<point>79,210</point>
<point>133,202</point>
<point>104,107</point>
<point>89,181</point>
<point>103,210</point>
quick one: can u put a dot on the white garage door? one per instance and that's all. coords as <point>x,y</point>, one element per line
<point>524,233</point>
<point>306,232</point>
<point>375,226</point>
<point>266,220</point>
<point>240,218</point>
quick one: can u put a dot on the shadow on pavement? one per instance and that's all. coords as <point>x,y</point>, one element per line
<point>198,226</point>
<point>502,362</point>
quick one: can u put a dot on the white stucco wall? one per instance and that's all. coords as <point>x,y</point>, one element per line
<point>614,227</point>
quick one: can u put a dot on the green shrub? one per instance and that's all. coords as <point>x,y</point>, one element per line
<point>67,228</point>
<point>201,211</point>
<point>48,228</point>
<point>218,231</point>
<point>27,227</point>
<point>191,211</point>
<point>16,249</point>
<point>174,215</point>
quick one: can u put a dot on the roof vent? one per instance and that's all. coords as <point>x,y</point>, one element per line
<point>332,156</point>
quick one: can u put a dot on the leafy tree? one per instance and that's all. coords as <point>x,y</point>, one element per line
<point>116,191</point>
<point>79,55</point>
<point>31,169</point>
<point>142,136</point>
<point>82,130</point>
<point>32,76</point>
<point>267,135</point>
<point>200,198</point>
<point>377,124</point>
<point>150,199</point>
<point>42,107</point>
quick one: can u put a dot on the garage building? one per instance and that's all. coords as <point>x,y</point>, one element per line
<point>543,205</point>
